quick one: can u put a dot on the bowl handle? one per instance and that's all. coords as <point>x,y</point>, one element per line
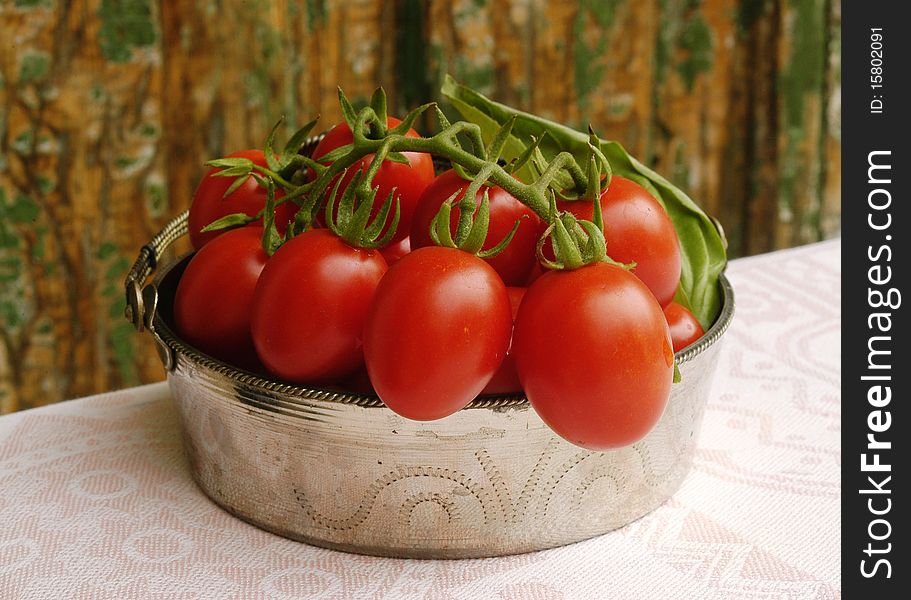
<point>142,299</point>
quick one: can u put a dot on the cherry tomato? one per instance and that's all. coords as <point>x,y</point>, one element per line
<point>215,293</point>
<point>408,180</point>
<point>637,229</point>
<point>310,305</point>
<point>684,326</point>
<point>506,379</point>
<point>250,198</point>
<point>594,355</point>
<point>515,262</point>
<point>396,250</point>
<point>436,332</point>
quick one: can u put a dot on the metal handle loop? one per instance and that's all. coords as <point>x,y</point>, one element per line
<point>145,265</point>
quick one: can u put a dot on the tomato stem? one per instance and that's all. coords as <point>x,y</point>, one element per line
<point>371,135</point>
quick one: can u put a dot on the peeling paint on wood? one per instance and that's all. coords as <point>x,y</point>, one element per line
<point>108,109</point>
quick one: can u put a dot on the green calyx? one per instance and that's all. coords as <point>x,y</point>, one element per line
<point>576,242</point>
<point>471,230</point>
<point>461,143</point>
<point>349,218</point>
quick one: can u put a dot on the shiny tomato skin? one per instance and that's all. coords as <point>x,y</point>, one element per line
<point>515,262</point>
<point>594,355</point>
<point>409,180</point>
<point>215,294</point>
<point>637,229</point>
<point>396,250</point>
<point>685,327</point>
<point>436,333</point>
<point>310,305</point>
<point>209,206</point>
<point>506,379</point>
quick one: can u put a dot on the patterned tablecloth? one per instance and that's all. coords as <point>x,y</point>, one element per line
<point>96,499</point>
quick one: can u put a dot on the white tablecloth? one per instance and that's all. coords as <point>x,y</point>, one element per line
<point>96,499</point>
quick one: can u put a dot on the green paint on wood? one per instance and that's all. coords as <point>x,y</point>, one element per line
<point>411,68</point>
<point>125,162</point>
<point>316,14</point>
<point>478,76</point>
<point>38,247</point>
<point>156,198</point>
<point>125,25</point>
<point>662,43</point>
<point>21,210</point>
<point>748,12</point>
<point>121,340</point>
<point>11,314</point>
<point>22,143</point>
<point>117,269</point>
<point>120,334</point>
<point>106,249</point>
<point>588,70</point>
<point>34,67</point>
<point>33,4</point>
<point>8,239</point>
<point>695,41</point>
<point>680,175</point>
<point>97,93</point>
<point>801,79</point>
<point>258,81</point>
<point>45,184</point>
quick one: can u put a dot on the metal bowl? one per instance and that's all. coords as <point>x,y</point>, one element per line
<point>340,470</point>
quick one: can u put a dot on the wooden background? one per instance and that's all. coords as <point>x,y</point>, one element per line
<point>108,109</point>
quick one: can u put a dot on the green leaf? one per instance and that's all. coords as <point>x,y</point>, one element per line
<point>239,181</point>
<point>512,146</point>
<point>378,104</point>
<point>230,162</point>
<point>294,143</point>
<point>227,221</point>
<point>348,111</point>
<point>398,157</point>
<point>495,147</point>
<point>702,248</point>
<point>268,150</point>
<point>333,155</point>
<point>407,123</point>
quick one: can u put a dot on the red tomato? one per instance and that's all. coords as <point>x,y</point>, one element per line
<point>685,327</point>
<point>536,271</point>
<point>637,229</point>
<point>594,355</point>
<point>515,262</point>
<point>215,294</point>
<point>396,250</point>
<point>436,332</point>
<point>250,198</point>
<point>357,382</point>
<point>310,305</point>
<point>409,180</point>
<point>506,379</point>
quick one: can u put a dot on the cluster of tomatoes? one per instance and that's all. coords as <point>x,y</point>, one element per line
<point>427,327</point>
